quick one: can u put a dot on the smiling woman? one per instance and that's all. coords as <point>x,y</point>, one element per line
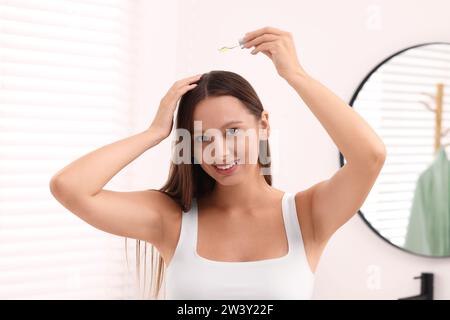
<point>226,253</point>
<point>240,135</point>
<point>249,240</point>
<point>222,102</point>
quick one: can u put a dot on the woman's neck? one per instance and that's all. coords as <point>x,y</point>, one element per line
<point>248,194</point>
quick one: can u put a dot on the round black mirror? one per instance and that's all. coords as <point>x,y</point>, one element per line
<point>406,99</point>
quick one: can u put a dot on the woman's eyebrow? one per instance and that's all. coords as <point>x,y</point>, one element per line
<point>231,122</point>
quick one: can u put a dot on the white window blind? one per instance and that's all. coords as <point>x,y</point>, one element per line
<point>66,84</point>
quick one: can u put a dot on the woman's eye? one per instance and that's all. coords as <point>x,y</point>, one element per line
<point>203,138</point>
<point>233,130</point>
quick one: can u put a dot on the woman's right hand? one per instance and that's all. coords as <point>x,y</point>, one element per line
<point>163,122</point>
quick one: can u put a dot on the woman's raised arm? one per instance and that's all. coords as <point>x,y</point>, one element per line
<point>133,214</point>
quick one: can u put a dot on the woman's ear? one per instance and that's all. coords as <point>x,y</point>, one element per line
<point>264,125</point>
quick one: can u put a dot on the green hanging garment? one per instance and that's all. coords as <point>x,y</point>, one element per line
<point>428,231</point>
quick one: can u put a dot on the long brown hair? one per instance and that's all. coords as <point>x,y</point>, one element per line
<point>189,180</point>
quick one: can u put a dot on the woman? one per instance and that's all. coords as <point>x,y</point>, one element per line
<point>223,231</point>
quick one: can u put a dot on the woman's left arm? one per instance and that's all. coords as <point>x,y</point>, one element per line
<point>336,200</point>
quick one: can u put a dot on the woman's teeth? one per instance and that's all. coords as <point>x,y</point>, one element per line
<point>225,167</point>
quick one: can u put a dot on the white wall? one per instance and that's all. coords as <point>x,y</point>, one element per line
<point>338,42</point>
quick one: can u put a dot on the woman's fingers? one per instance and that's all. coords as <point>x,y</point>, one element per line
<point>264,47</point>
<point>186,84</point>
<point>163,121</point>
<point>270,30</point>
<point>188,80</point>
<point>194,78</point>
<point>260,39</point>
<point>181,86</point>
<point>186,88</point>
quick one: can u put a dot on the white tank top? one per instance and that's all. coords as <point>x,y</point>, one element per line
<point>191,276</point>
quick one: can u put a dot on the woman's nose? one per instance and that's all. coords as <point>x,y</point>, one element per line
<point>224,150</point>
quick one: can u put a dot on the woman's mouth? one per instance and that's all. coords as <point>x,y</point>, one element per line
<point>227,169</point>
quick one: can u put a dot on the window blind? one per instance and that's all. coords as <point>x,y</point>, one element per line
<point>66,82</point>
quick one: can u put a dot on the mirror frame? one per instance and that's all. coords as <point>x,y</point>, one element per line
<point>341,156</point>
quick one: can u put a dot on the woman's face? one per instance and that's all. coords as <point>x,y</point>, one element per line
<point>226,133</point>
